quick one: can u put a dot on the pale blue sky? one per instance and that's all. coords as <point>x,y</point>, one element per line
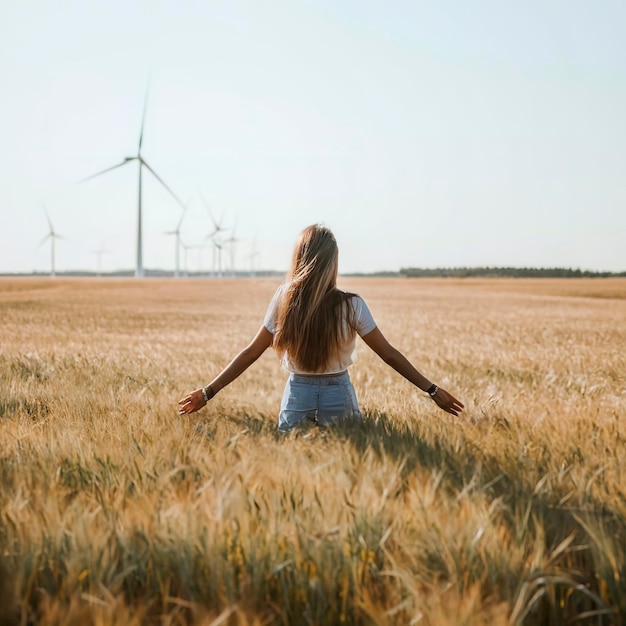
<point>423,133</point>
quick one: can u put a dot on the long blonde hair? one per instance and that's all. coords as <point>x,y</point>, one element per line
<point>313,318</point>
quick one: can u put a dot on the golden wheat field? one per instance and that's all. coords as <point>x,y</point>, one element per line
<point>114,510</point>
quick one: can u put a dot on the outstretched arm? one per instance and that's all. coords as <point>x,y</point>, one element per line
<point>195,400</point>
<point>393,357</point>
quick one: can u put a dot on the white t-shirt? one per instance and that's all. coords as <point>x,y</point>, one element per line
<point>364,324</point>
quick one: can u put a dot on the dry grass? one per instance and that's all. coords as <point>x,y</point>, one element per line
<point>113,510</point>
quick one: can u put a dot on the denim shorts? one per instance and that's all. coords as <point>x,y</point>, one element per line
<point>321,399</point>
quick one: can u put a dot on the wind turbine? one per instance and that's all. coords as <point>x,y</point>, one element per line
<point>178,241</point>
<point>254,254</point>
<point>186,249</point>
<point>231,241</point>
<point>217,226</point>
<point>99,252</point>
<point>52,236</point>
<point>217,253</point>
<point>213,237</point>
<point>139,272</point>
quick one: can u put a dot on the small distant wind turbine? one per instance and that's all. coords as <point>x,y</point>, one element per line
<point>52,236</point>
<point>218,246</point>
<point>178,241</point>
<point>186,249</point>
<point>213,237</point>
<point>99,252</point>
<point>231,242</point>
<point>201,247</point>
<point>139,272</point>
<point>254,254</point>
<point>217,226</point>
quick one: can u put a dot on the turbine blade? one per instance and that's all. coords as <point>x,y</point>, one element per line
<point>44,240</point>
<point>163,183</point>
<point>216,226</point>
<point>182,217</point>
<point>143,116</point>
<point>108,169</point>
<point>47,217</point>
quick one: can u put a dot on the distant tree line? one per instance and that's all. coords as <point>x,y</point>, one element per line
<point>408,272</point>
<point>509,272</point>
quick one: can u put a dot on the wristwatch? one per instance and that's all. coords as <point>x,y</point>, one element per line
<point>432,390</point>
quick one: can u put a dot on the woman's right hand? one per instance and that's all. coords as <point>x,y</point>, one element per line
<point>191,403</point>
<point>447,402</point>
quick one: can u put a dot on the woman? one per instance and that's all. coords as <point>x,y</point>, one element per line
<point>312,325</point>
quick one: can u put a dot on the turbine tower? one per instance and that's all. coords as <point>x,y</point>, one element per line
<point>52,236</point>
<point>186,249</point>
<point>178,241</point>
<point>139,272</point>
<point>232,241</point>
<point>254,255</point>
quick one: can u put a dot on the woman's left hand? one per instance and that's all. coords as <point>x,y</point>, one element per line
<point>191,403</point>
